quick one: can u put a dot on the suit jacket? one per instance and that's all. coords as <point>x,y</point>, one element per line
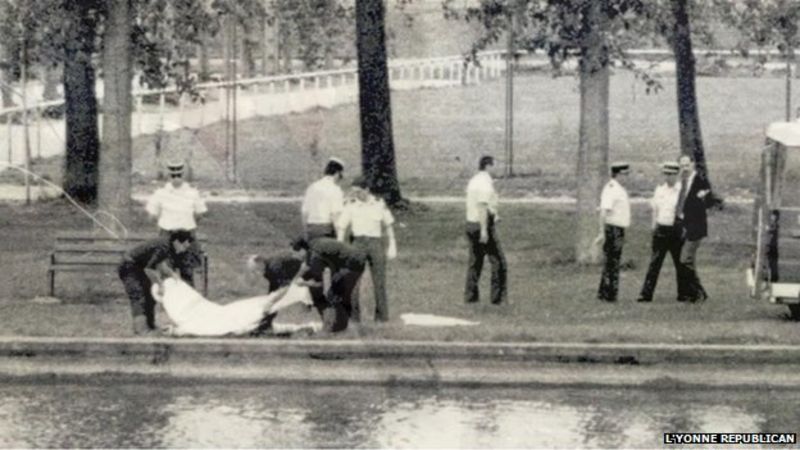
<point>695,219</point>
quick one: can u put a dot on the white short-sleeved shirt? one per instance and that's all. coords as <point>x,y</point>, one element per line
<point>480,190</point>
<point>367,218</point>
<point>176,208</point>
<point>664,203</point>
<point>614,200</point>
<point>323,200</point>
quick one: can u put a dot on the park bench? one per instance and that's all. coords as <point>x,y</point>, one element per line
<point>98,251</point>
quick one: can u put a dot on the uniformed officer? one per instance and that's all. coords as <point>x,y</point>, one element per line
<point>666,235</point>
<point>368,220</point>
<point>323,202</point>
<point>177,206</point>
<point>481,206</point>
<point>346,263</point>
<point>144,266</point>
<point>615,217</point>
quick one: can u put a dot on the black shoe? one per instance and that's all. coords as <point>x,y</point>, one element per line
<point>700,298</point>
<point>644,300</point>
<point>682,299</point>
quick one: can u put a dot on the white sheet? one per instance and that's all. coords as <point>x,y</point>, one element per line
<point>194,315</point>
<point>431,320</point>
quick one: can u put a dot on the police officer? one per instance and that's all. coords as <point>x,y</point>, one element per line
<point>323,202</point>
<point>346,263</point>
<point>481,208</point>
<point>368,219</point>
<point>177,206</point>
<point>615,217</point>
<point>666,235</point>
<point>144,266</point>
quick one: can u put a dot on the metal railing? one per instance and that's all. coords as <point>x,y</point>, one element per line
<point>160,110</point>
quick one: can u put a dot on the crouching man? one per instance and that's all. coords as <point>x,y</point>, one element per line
<point>346,263</point>
<point>279,270</point>
<point>146,265</point>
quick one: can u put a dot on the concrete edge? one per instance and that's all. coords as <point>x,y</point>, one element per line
<point>230,348</point>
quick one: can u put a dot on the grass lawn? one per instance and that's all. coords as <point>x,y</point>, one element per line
<point>551,298</point>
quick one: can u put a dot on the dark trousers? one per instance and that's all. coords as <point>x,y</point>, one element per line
<point>690,287</point>
<point>314,231</point>
<point>376,258</point>
<point>338,309</point>
<point>477,252</point>
<point>666,239</point>
<point>188,260</point>
<point>612,249</point>
<point>137,286</point>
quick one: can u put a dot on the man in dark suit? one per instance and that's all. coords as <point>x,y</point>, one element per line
<point>693,200</point>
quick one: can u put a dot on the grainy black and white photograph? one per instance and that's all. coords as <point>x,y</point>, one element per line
<point>399,224</point>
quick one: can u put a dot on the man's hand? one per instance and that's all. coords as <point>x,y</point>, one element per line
<point>308,283</point>
<point>702,194</point>
<point>484,236</point>
<point>600,239</point>
<point>391,252</point>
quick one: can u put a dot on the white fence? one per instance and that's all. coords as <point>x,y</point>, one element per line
<point>155,111</point>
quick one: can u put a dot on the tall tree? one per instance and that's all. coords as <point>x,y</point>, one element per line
<point>593,142</point>
<point>114,193</point>
<point>688,113</point>
<point>377,144</point>
<point>83,140</point>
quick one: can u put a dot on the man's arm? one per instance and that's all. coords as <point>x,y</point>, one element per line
<point>483,221</point>
<point>391,251</point>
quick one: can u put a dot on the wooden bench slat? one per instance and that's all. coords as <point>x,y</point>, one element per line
<point>93,248</point>
<point>77,251</point>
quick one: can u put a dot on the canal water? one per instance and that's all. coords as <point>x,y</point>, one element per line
<point>279,416</point>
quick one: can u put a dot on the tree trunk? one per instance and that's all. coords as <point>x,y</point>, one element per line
<point>592,168</point>
<point>202,51</point>
<point>248,49</point>
<point>5,76</point>
<point>264,33</point>
<point>114,193</point>
<point>329,44</point>
<point>688,115</point>
<point>377,146</point>
<point>51,75</point>
<point>82,146</point>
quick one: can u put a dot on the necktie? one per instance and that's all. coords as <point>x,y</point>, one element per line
<point>682,196</point>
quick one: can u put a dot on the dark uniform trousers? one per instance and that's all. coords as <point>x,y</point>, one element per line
<point>689,286</point>
<point>477,252</point>
<point>188,260</point>
<point>374,248</point>
<point>666,239</point>
<point>612,248</point>
<point>137,286</point>
<point>315,231</point>
<point>337,309</point>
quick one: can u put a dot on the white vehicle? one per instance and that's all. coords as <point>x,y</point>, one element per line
<point>775,273</point>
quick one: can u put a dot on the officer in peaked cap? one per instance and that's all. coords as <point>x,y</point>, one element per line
<point>667,235</point>
<point>177,206</point>
<point>615,217</point>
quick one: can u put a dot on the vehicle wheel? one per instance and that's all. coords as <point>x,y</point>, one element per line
<point>794,312</point>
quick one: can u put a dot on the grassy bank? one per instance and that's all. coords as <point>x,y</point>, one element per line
<point>551,298</point>
<point>440,133</point>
